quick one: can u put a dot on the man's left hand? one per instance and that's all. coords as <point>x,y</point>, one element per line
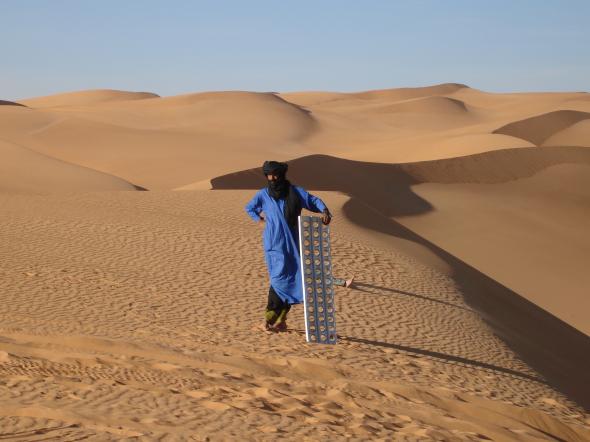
<point>326,217</point>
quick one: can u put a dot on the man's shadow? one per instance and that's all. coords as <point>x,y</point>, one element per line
<point>377,192</point>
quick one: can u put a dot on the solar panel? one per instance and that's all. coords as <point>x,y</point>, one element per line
<point>318,289</point>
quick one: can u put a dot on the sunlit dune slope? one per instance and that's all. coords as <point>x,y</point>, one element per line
<point>428,105</point>
<point>111,330</point>
<point>578,134</point>
<point>85,98</point>
<point>237,114</point>
<point>18,122</point>
<point>26,171</point>
<point>466,145</point>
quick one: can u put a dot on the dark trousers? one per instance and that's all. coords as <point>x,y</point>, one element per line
<point>276,308</point>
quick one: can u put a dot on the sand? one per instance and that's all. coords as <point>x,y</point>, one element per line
<point>131,314</point>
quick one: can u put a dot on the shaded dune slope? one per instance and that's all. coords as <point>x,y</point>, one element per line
<point>539,128</point>
<point>324,172</point>
<point>82,98</point>
<point>25,171</point>
<point>10,103</point>
<point>380,191</point>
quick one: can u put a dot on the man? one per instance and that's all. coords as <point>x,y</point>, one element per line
<point>282,203</point>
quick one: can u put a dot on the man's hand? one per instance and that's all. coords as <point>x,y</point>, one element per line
<point>326,217</point>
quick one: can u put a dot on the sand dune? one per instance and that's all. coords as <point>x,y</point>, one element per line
<point>429,105</point>
<point>465,145</point>
<point>463,215</point>
<point>388,95</point>
<point>582,96</point>
<point>314,97</point>
<point>85,98</point>
<point>126,138</point>
<point>410,92</point>
<point>18,121</point>
<point>354,128</point>
<point>241,113</point>
<point>578,134</point>
<point>539,128</point>
<point>138,140</point>
<point>26,171</point>
<point>542,213</point>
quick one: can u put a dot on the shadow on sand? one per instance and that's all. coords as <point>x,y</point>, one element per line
<point>445,358</point>
<point>359,286</point>
<point>378,192</point>
<point>441,357</point>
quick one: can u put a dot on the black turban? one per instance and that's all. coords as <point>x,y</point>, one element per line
<point>274,167</point>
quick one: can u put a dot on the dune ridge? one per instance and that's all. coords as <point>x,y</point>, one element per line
<point>432,104</point>
<point>390,95</point>
<point>496,166</point>
<point>541,127</point>
<point>88,97</point>
<point>411,92</point>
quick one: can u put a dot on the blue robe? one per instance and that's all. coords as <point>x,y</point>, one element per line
<point>281,243</point>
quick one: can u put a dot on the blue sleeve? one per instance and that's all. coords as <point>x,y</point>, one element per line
<point>254,207</point>
<point>310,202</point>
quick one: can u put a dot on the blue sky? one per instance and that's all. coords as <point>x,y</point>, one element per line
<point>173,47</point>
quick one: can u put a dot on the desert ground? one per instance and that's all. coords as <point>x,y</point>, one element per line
<point>133,283</point>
